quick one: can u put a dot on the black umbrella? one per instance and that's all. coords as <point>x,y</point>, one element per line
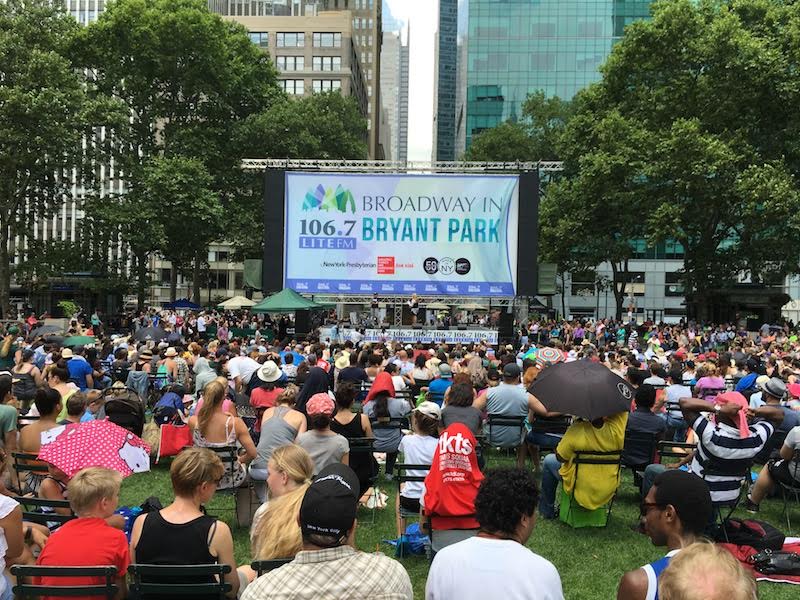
<point>155,334</point>
<point>583,389</point>
<point>44,330</point>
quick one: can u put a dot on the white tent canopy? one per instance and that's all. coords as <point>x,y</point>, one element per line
<point>236,303</point>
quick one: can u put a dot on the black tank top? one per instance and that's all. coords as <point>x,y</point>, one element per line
<point>362,463</point>
<point>165,543</point>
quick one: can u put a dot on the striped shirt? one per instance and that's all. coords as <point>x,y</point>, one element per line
<point>722,451</point>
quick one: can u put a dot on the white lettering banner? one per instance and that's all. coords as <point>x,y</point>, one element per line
<point>450,336</point>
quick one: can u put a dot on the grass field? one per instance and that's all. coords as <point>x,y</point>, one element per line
<point>590,561</point>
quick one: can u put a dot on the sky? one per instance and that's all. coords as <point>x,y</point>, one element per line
<point>421,15</point>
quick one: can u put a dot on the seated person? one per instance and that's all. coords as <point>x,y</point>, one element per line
<point>354,425</point>
<point>329,566</point>
<point>458,408</point>
<point>643,420</point>
<point>76,406</point>
<point>381,404</point>
<point>418,449</point>
<point>275,532</point>
<point>452,484</point>
<point>324,446</point>
<point>88,540</point>
<point>674,514</point>
<point>724,439</point>
<point>268,389</point>
<point>182,534</point>
<point>784,470</point>
<point>598,482</point>
<point>705,571</point>
<point>48,404</point>
<point>438,386</point>
<point>672,415</point>
<point>497,558</point>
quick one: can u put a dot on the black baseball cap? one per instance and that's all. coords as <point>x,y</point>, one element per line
<point>330,502</point>
<point>511,370</point>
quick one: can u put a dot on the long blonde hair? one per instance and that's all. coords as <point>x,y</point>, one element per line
<point>213,396</point>
<point>276,534</point>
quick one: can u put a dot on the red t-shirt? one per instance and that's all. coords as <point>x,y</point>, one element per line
<point>84,542</point>
<point>261,398</point>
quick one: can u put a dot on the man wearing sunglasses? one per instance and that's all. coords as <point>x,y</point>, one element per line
<point>674,514</point>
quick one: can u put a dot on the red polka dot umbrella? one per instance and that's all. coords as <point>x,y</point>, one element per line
<point>94,444</point>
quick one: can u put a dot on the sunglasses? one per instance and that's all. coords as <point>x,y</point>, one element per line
<point>645,507</point>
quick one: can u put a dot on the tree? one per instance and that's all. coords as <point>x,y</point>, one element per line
<point>590,215</point>
<point>44,113</point>
<point>534,137</point>
<point>187,79</point>
<point>184,186</point>
<point>321,126</point>
<point>715,85</point>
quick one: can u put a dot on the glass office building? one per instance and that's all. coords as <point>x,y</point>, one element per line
<point>510,48</point>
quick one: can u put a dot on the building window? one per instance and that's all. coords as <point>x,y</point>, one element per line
<point>290,63</point>
<point>218,279</point>
<point>166,276</point>
<point>673,285</point>
<point>583,283</point>
<point>292,86</point>
<point>326,85</point>
<point>634,282</point>
<point>327,40</point>
<point>260,38</point>
<point>327,63</point>
<point>290,40</point>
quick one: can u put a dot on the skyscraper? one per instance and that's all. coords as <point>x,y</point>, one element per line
<point>444,82</point>
<point>394,93</point>
<point>510,49</point>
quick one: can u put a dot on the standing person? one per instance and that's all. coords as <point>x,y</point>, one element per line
<point>413,306</point>
<point>329,566</point>
<point>497,558</point>
<point>181,533</point>
<point>29,378</point>
<point>674,513</point>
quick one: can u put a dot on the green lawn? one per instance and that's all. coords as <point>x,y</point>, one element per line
<point>590,561</point>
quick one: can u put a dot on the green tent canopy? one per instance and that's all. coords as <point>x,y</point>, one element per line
<point>285,301</point>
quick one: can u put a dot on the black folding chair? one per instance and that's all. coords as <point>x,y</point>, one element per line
<point>495,421</point>
<point>590,457</point>
<point>402,476</point>
<point>793,489</point>
<point>229,455</point>
<point>639,445</point>
<point>363,448</point>
<point>265,566</point>
<point>679,450</point>
<point>27,465</point>
<point>740,470</point>
<point>31,514</point>
<point>108,589</point>
<point>168,581</point>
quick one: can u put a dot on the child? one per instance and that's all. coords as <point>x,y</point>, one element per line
<point>76,406</point>
<point>418,449</point>
<point>88,540</point>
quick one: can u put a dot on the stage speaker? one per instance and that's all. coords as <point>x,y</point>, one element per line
<point>273,196</point>
<point>506,327</point>
<point>528,235</point>
<point>302,322</point>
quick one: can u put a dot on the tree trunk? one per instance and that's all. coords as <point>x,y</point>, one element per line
<point>196,279</point>
<point>563,295</point>
<point>141,280</point>
<point>5,273</point>
<point>618,287</point>
<point>173,281</point>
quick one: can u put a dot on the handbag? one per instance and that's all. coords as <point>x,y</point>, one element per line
<point>771,562</point>
<point>173,439</point>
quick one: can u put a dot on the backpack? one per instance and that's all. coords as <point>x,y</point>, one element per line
<point>123,407</point>
<point>750,532</point>
<point>166,409</point>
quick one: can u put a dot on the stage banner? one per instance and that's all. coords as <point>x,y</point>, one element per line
<point>401,234</point>
<point>430,336</point>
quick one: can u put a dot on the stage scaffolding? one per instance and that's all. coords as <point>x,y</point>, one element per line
<point>386,166</point>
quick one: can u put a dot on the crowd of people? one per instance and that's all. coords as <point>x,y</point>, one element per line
<point>300,411</point>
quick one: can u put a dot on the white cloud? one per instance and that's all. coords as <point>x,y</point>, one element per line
<point>421,15</point>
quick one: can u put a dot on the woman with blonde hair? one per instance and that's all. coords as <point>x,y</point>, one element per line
<point>213,428</point>
<point>710,384</point>
<point>275,532</point>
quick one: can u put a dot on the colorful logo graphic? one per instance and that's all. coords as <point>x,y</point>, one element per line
<point>323,198</point>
